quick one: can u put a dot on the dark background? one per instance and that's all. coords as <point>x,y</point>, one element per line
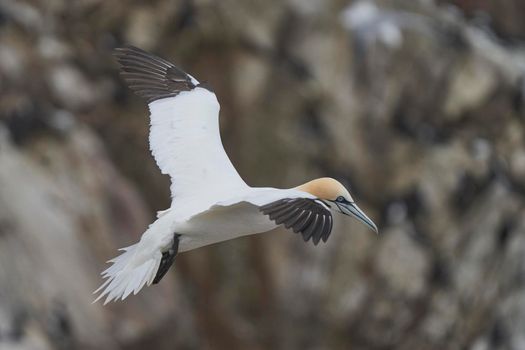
<point>416,106</point>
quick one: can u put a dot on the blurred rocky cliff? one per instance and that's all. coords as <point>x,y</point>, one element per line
<point>418,106</point>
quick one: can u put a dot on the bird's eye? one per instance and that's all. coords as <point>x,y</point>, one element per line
<point>340,199</point>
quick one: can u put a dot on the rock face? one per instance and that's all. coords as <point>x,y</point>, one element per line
<point>417,106</point>
<point>63,211</point>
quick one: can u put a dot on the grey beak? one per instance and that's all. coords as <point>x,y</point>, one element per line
<point>351,209</point>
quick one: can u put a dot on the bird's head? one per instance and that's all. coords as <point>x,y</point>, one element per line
<point>337,197</point>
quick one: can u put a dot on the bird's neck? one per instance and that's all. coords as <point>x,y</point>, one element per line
<point>315,187</point>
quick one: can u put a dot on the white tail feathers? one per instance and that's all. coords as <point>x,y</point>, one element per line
<point>129,273</point>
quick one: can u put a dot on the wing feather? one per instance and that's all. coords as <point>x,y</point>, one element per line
<point>184,135</point>
<point>305,215</point>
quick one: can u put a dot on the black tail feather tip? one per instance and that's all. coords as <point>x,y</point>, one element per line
<point>168,257</point>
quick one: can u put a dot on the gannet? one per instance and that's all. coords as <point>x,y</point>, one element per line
<point>210,201</point>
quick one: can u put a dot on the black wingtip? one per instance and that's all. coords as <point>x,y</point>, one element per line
<point>124,50</point>
<point>150,76</point>
<point>303,215</point>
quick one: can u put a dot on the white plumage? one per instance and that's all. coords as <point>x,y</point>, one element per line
<point>210,201</point>
<point>186,143</point>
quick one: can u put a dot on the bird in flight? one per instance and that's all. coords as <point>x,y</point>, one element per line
<point>210,201</point>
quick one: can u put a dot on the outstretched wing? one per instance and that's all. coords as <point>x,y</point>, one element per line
<point>184,136</point>
<point>305,215</point>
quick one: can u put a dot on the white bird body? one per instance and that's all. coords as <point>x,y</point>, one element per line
<point>211,203</point>
<point>232,217</point>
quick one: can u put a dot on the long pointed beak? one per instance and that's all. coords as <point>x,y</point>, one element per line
<point>351,209</point>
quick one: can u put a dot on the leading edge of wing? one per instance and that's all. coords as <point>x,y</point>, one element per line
<point>152,77</point>
<point>184,130</point>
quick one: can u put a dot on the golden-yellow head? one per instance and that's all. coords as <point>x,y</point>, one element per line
<point>336,197</point>
<point>326,188</point>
